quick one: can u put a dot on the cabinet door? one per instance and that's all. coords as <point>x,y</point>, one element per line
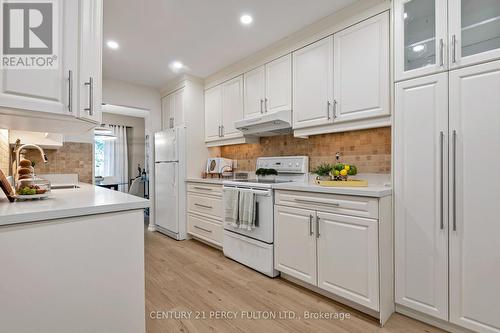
<point>474,205</point>
<point>361,70</point>
<point>474,31</point>
<point>90,82</point>
<point>178,107</point>
<point>166,118</point>
<point>279,85</point>
<point>213,113</point>
<point>47,90</point>
<point>254,93</point>
<point>420,37</point>
<point>232,107</point>
<point>420,192</point>
<point>295,243</point>
<point>348,258</point>
<point>313,84</point>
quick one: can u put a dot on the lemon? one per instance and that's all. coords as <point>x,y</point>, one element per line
<point>337,172</point>
<point>343,172</point>
<point>347,167</point>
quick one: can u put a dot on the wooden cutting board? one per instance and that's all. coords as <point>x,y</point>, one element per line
<point>343,183</point>
<point>6,188</point>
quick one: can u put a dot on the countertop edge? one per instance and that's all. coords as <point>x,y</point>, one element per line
<point>361,192</point>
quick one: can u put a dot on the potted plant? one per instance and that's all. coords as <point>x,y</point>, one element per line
<point>268,175</point>
<point>323,171</point>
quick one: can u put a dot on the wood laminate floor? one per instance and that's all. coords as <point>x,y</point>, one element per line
<point>189,278</point>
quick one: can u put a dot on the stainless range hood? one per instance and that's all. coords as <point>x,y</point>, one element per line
<point>267,124</point>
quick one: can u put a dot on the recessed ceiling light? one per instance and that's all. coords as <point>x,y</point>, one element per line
<point>177,65</point>
<point>246,19</point>
<point>418,48</point>
<point>112,44</point>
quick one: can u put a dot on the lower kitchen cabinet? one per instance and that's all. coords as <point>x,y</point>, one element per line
<point>295,226</point>
<point>349,258</point>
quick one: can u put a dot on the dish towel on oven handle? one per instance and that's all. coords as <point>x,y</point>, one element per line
<point>231,206</point>
<point>247,210</point>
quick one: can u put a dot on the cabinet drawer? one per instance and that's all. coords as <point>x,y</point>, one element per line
<point>340,204</point>
<point>204,228</point>
<point>202,188</point>
<point>205,205</point>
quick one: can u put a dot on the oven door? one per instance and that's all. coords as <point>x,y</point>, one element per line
<point>264,223</point>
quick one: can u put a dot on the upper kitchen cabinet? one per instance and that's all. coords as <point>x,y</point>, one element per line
<point>90,78</point>
<point>313,84</point>
<point>420,37</point>
<point>213,113</point>
<point>268,88</point>
<point>172,108</point>
<point>47,88</point>
<point>361,70</point>
<point>474,28</point>
<point>232,107</point>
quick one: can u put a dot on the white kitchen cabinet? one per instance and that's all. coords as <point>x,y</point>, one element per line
<point>313,84</point>
<point>474,209</point>
<point>232,107</point>
<point>341,255</point>
<point>55,90</point>
<point>342,241</point>
<point>90,75</point>
<point>213,113</point>
<point>278,85</point>
<point>361,70</point>
<point>254,92</point>
<point>420,189</point>
<point>420,37</point>
<point>474,31</point>
<point>292,227</point>
<point>172,107</point>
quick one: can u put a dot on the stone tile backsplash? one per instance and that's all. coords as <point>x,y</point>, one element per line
<point>369,150</point>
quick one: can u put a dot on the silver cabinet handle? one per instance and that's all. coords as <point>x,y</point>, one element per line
<point>334,109</point>
<point>200,228</point>
<point>454,49</point>
<point>441,51</point>
<point>336,204</point>
<point>311,225</point>
<point>203,206</point>
<point>317,227</point>
<point>70,88</point>
<point>222,130</point>
<point>203,188</point>
<point>328,103</point>
<point>90,84</point>
<point>454,180</point>
<point>265,104</point>
<point>261,106</point>
<point>441,145</point>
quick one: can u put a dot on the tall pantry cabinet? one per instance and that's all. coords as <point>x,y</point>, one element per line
<point>447,153</point>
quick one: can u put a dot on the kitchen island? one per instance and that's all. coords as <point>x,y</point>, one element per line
<point>73,262</point>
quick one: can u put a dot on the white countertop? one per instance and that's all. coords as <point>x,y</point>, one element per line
<point>63,203</point>
<point>216,181</point>
<point>377,191</point>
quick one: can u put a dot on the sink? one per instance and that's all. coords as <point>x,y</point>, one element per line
<point>64,187</point>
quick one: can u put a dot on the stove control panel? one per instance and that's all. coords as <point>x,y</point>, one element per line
<point>285,164</point>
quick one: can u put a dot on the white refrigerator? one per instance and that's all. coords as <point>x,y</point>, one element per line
<point>170,206</point>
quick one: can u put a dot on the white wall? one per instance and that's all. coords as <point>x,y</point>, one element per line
<point>138,96</point>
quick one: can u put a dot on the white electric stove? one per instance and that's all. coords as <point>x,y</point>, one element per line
<point>255,248</point>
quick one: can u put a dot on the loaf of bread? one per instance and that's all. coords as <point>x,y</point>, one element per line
<point>24,163</point>
<point>25,171</point>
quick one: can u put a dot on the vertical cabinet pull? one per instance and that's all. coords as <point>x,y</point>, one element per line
<point>311,225</point>
<point>219,132</point>
<point>454,180</point>
<point>334,109</point>
<point>90,84</point>
<point>454,49</point>
<point>328,109</point>
<point>70,91</point>
<point>222,130</point>
<point>261,106</point>
<point>265,104</point>
<point>441,51</point>
<point>441,152</point>
<point>317,227</point>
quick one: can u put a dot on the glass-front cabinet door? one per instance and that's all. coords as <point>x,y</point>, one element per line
<point>474,27</point>
<point>420,37</point>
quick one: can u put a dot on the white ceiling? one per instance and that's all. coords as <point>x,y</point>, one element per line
<point>205,35</point>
